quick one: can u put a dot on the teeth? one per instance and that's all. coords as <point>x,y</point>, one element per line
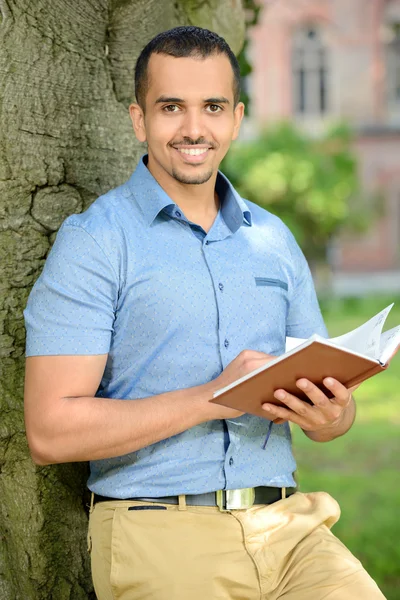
<point>193,151</point>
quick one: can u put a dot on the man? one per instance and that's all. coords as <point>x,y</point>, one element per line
<point>148,303</point>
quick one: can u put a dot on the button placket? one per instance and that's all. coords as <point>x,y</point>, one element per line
<point>220,304</point>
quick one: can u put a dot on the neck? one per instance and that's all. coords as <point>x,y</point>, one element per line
<point>199,202</point>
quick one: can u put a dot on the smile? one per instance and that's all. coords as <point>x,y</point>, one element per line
<point>193,151</point>
<point>193,156</point>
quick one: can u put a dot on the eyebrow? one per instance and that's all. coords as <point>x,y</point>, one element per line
<point>216,100</point>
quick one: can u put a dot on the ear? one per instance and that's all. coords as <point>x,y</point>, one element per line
<point>238,117</point>
<point>137,117</point>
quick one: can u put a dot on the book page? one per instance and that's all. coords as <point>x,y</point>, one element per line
<point>366,338</point>
<point>390,340</point>
<point>292,342</point>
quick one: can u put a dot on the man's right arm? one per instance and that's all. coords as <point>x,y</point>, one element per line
<point>65,422</point>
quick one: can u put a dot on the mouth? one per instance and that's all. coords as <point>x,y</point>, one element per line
<point>193,155</point>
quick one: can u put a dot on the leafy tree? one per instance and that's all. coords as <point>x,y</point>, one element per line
<point>311,184</point>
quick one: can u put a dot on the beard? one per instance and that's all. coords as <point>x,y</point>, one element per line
<point>193,179</point>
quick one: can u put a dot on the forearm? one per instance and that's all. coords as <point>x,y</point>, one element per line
<point>65,423</point>
<point>89,428</point>
<point>330,433</point>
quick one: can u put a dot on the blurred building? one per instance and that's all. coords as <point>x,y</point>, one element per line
<point>318,61</point>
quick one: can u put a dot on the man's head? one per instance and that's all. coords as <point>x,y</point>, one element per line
<point>188,111</point>
<point>183,42</point>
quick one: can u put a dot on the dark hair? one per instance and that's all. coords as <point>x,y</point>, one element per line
<point>183,42</point>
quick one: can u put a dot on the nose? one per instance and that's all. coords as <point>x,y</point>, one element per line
<point>193,124</point>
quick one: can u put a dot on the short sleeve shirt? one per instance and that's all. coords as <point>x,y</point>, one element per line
<point>172,306</point>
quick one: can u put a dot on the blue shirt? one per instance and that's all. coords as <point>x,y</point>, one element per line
<point>172,305</point>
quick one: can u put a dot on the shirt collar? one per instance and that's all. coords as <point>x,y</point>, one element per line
<point>152,199</point>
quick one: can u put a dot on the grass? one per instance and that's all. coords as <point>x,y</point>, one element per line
<point>361,469</point>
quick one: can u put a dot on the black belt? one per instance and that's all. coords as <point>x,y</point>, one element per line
<point>225,499</point>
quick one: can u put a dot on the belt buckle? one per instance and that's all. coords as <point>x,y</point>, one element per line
<point>235,499</point>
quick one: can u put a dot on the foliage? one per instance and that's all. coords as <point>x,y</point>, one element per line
<point>360,469</point>
<point>312,184</point>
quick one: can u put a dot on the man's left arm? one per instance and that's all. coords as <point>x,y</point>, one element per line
<point>325,418</point>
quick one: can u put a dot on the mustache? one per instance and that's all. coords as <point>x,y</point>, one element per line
<point>186,141</point>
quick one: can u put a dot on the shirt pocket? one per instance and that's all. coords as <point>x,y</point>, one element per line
<point>268,282</point>
<point>269,305</point>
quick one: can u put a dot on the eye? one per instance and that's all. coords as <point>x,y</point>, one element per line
<point>171,108</point>
<point>214,108</point>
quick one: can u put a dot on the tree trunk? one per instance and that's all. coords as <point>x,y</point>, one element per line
<point>66,78</point>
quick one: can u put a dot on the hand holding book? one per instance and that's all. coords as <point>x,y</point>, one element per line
<point>350,359</point>
<point>246,362</point>
<point>327,415</point>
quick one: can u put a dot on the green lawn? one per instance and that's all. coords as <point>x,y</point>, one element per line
<point>361,470</point>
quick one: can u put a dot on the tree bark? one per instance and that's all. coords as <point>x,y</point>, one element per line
<point>66,78</point>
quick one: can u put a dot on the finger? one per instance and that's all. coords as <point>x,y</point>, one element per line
<point>255,355</point>
<point>303,409</point>
<point>317,396</point>
<point>250,360</point>
<point>280,421</point>
<point>274,412</point>
<point>341,394</point>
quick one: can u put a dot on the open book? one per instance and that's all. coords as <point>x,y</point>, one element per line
<point>349,358</point>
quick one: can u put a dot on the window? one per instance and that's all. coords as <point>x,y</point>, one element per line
<point>393,66</point>
<point>309,72</point>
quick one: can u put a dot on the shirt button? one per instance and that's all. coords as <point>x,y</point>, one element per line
<point>207,242</point>
<point>231,461</point>
<point>221,286</point>
<point>178,214</point>
<point>226,343</point>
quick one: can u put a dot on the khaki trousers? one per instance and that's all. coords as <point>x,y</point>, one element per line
<point>283,550</point>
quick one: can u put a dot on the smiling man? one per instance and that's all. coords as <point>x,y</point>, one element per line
<point>190,131</point>
<point>165,290</point>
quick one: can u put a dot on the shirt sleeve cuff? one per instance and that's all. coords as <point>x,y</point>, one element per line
<point>53,346</point>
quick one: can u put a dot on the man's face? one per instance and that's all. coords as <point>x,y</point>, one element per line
<point>189,119</point>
